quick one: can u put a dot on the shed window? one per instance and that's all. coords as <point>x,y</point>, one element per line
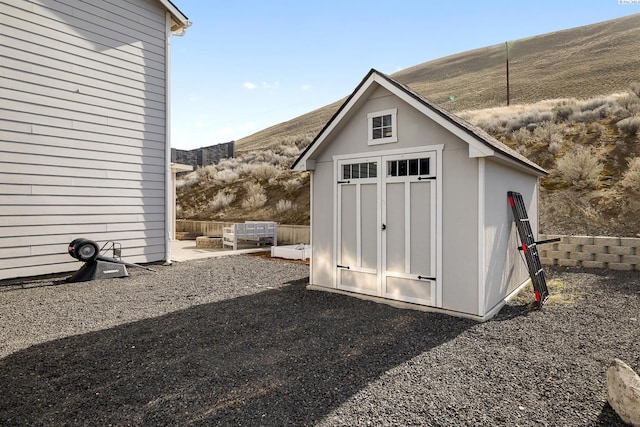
<point>360,170</point>
<point>382,127</point>
<point>410,167</point>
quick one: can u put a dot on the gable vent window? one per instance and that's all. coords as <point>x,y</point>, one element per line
<point>382,127</point>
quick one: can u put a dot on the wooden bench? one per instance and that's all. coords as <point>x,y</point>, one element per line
<point>250,231</point>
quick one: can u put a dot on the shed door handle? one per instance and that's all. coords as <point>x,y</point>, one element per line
<point>384,226</point>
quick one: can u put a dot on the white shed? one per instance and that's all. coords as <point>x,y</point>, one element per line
<point>409,204</point>
<point>84,133</point>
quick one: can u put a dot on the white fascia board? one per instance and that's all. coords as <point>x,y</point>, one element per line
<point>303,162</point>
<point>501,158</point>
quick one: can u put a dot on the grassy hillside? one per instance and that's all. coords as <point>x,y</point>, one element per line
<point>583,62</point>
<point>575,110</point>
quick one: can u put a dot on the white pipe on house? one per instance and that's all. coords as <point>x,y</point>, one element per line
<point>168,192</point>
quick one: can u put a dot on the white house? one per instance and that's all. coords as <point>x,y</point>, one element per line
<point>409,204</point>
<point>84,130</point>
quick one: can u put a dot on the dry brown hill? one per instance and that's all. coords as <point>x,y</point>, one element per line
<point>582,62</point>
<point>575,110</point>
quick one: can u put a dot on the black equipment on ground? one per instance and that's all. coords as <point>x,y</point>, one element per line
<point>97,266</point>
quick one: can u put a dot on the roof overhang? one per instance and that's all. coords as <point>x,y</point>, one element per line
<point>179,21</point>
<point>179,167</point>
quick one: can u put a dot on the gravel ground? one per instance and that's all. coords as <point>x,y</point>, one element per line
<point>240,341</point>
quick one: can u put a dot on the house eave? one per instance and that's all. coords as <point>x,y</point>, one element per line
<point>179,21</point>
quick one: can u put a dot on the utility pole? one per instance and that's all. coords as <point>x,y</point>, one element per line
<point>506,44</point>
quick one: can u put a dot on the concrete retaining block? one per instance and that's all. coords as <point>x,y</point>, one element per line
<point>607,257</point>
<point>557,254</point>
<point>581,240</point>
<point>621,250</point>
<point>567,247</point>
<point>630,241</point>
<point>547,261</point>
<point>582,256</point>
<point>606,241</point>
<point>568,262</point>
<point>593,249</point>
<point>620,266</point>
<point>631,259</point>
<point>594,264</point>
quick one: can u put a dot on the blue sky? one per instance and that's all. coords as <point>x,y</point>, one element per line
<point>245,65</point>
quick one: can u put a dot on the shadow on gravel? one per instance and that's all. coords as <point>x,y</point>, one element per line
<point>608,417</point>
<point>284,356</point>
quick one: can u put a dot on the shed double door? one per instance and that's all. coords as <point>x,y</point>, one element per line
<point>386,226</point>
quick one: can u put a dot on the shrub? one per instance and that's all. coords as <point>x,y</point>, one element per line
<point>620,113</point>
<point>580,169</point>
<point>631,177</point>
<point>252,188</point>
<point>291,185</point>
<point>255,196</point>
<point>521,136</point>
<point>593,104</point>
<point>222,199</point>
<point>187,181</point>
<point>254,201</point>
<point>555,145</point>
<point>528,118</point>
<point>629,126</point>
<point>491,126</point>
<point>226,175</point>
<point>547,131</point>
<point>206,173</point>
<point>263,171</point>
<point>285,206</point>
<point>628,100</point>
<point>562,112</point>
<point>291,151</point>
<point>590,115</point>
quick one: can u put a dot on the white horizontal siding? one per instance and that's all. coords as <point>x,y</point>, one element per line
<point>83,219</point>
<point>76,182</point>
<point>82,130</point>
<point>135,178</point>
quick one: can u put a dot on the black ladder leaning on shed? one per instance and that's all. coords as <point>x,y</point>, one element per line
<point>529,247</point>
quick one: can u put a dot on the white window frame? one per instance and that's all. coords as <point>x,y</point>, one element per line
<point>394,127</point>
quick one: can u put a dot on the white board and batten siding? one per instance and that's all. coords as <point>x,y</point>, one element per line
<point>82,130</point>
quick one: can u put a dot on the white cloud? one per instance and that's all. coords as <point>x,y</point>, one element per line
<point>274,85</point>
<point>249,85</point>
<point>305,87</point>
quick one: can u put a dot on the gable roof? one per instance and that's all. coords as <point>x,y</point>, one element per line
<point>481,144</point>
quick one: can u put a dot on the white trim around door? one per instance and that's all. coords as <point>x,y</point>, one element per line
<point>388,224</point>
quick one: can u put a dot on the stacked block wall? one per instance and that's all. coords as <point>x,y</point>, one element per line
<point>615,253</point>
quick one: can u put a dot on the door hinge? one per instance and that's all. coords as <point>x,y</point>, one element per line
<point>343,266</point>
